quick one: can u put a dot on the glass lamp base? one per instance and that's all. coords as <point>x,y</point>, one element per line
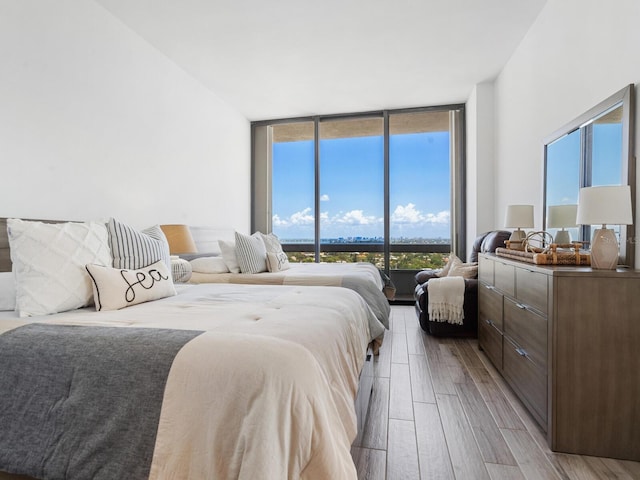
<point>604,250</point>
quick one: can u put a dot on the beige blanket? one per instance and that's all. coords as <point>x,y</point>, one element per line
<point>266,392</point>
<point>446,299</point>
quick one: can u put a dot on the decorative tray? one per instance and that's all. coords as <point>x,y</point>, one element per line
<point>552,256</point>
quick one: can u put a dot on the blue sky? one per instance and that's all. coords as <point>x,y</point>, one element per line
<point>352,187</point>
<point>563,163</point>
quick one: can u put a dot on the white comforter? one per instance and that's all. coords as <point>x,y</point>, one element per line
<point>362,277</point>
<point>266,392</point>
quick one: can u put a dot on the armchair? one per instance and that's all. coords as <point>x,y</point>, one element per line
<point>485,243</point>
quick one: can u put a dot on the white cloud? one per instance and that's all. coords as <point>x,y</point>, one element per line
<point>324,198</point>
<point>402,215</point>
<point>356,217</point>
<point>303,217</point>
<point>440,217</point>
<point>409,214</point>
<point>278,222</point>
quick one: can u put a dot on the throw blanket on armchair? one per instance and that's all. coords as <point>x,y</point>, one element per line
<point>446,299</point>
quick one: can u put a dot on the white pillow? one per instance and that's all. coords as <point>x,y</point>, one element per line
<point>271,242</point>
<point>277,261</point>
<point>7,291</point>
<point>466,270</point>
<point>228,250</point>
<point>48,261</point>
<point>453,260</point>
<point>132,249</point>
<point>209,265</point>
<point>251,253</point>
<point>115,288</point>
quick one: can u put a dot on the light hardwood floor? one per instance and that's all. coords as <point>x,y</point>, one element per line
<point>441,411</point>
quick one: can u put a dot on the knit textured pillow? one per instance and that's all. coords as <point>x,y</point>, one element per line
<point>48,261</point>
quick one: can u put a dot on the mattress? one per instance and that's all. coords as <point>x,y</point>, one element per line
<point>255,382</point>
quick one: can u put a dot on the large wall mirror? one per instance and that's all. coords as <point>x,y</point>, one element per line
<point>594,149</point>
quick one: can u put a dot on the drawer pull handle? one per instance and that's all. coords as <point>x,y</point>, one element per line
<point>490,287</point>
<point>521,306</point>
<point>489,322</point>
<point>521,352</point>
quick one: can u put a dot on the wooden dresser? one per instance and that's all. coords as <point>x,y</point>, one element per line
<point>567,340</point>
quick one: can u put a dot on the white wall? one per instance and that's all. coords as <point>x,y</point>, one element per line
<point>479,159</point>
<point>94,122</point>
<point>576,54</point>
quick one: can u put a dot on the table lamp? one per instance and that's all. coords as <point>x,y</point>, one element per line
<point>562,216</point>
<point>605,205</point>
<point>518,216</point>
<point>179,238</point>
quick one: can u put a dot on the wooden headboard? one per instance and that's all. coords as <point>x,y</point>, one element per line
<point>5,255</point>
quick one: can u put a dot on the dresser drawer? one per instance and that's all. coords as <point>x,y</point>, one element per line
<point>485,270</point>
<point>531,289</point>
<point>505,278</point>
<point>490,305</point>
<point>528,329</point>
<point>527,380</point>
<point>490,340</point>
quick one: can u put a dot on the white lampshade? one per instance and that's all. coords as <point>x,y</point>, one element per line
<point>605,205</point>
<point>519,216</point>
<point>562,216</point>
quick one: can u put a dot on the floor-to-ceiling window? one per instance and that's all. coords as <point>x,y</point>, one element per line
<point>384,187</point>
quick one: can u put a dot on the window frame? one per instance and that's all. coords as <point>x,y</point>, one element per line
<point>261,176</point>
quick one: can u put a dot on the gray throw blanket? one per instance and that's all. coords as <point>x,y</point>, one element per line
<point>83,402</point>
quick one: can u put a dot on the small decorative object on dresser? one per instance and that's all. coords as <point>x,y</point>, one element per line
<point>565,338</point>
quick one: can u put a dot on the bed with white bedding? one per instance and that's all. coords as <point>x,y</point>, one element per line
<point>260,259</point>
<point>361,277</point>
<point>207,381</point>
<point>266,390</point>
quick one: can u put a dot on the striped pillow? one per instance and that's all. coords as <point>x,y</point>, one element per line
<point>132,249</point>
<point>251,253</point>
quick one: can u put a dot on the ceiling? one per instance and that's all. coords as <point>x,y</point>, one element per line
<point>288,58</point>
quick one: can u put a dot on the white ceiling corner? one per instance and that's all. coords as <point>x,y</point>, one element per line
<point>292,58</point>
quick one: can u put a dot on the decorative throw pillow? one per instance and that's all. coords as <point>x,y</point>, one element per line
<point>271,242</point>
<point>209,265</point>
<point>133,249</point>
<point>251,253</point>
<point>465,270</point>
<point>115,288</point>
<point>453,259</point>
<point>228,250</point>
<point>276,262</point>
<point>48,261</point>
<point>7,291</point>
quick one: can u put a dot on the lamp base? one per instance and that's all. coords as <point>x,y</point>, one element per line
<point>562,237</point>
<point>604,249</point>
<point>517,236</point>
